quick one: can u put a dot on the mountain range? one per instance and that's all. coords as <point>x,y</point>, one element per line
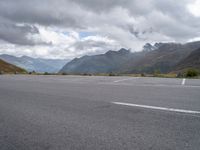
<point>162,57</point>
<point>9,68</point>
<point>35,64</point>
<point>192,61</point>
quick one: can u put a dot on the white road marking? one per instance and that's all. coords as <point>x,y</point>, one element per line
<point>154,85</point>
<point>125,79</point>
<point>158,108</point>
<point>183,82</point>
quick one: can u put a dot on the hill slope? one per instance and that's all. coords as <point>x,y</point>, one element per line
<point>104,63</point>
<point>9,68</point>
<point>161,57</point>
<point>192,61</point>
<point>35,64</point>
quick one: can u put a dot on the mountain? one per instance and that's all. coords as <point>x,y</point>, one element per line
<point>104,63</point>
<point>35,64</point>
<point>9,68</point>
<point>192,61</point>
<point>162,57</point>
<point>148,47</point>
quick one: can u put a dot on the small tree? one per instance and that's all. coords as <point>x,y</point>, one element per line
<point>46,73</point>
<point>32,72</point>
<point>64,73</point>
<point>111,74</point>
<point>156,73</point>
<point>142,75</point>
<point>192,73</point>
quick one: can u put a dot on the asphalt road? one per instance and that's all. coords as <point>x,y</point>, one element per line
<point>78,113</point>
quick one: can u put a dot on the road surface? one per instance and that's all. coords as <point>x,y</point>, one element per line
<point>98,113</point>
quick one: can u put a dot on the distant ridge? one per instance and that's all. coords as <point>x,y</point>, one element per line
<point>161,57</point>
<point>104,63</point>
<point>192,61</point>
<point>9,68</point>
<point>35,64</point>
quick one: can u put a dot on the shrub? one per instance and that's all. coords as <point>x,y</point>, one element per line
<point>142,75</point>
<point>32,72</point>
<point>64,73</point>
<point>46,73</point>
<point>192,73</point>
<point>156,73</point>
<point>111,74</point>
<point>85,74</point>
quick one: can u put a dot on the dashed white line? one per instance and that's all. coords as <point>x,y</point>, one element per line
<point>183,82</point>
<point>125,79</point>
<point>158,108</point>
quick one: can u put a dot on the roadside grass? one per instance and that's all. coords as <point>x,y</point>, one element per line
<point>190,73</point>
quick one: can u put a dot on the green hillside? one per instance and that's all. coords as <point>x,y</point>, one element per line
<point>9,68</point>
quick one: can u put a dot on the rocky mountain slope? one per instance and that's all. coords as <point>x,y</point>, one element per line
<point>192,61</point>
<point>9,68</point>
<point>35,64</point>
<point>162,57</point>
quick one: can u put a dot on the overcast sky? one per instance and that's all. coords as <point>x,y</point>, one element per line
<point>72,28</point>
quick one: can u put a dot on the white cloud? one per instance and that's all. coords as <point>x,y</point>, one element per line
<point>194,8</point>
<point>52,29</point>
<point>65,45</point>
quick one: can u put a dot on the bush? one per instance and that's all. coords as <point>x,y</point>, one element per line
<point>46,73</point>
<point>156,73</point>
<point>111,74</point>
<point>64,73</point>
<point>192,73</point>
<point>32,72</point>
<point>142,75</point>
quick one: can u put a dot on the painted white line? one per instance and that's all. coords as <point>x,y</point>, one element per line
<point>125,79</point>
<point>183,82</point>
<point>158,108</point>
<point>120,80</point>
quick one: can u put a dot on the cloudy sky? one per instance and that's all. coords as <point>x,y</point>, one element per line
<point>72,28</point>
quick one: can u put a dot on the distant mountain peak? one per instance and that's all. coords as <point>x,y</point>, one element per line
<point>36,64</point>
<point>148,47</point>
<point>122,51</point>
<point>160,56</point>
<point>157,45</point>
<point>24,56</point>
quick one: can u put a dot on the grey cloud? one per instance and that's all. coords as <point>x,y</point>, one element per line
<point>91,46</point>
<point>182,25</point>
<point>45,12</point>
<point>129,22</point>
<point>18,34</point>
<point>75,14</point>
<point>87,44</point>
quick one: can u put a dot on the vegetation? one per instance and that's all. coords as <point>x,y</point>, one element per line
<point>156,73</point>
<point>191,73</point>
<point>166,58</point>
<point>10,69</point>
<point>142,75</point>
<point>46,73</point>
<point>111,74</point>
<point>64,73</point>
